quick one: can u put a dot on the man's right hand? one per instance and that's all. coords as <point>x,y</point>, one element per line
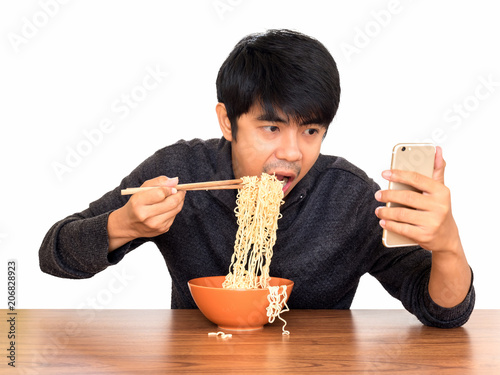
<point>148,213</point>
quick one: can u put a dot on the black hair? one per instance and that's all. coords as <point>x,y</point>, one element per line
<point>282,70</point>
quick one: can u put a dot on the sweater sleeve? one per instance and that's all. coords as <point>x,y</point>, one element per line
<point>77,246</point>
<point>405,271</point>
<point>434,315</point>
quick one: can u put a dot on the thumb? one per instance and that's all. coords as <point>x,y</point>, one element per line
<point>439,166</point>
<point>161,181</point>
<point>171,182</point>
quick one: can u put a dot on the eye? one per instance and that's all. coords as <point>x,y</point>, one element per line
<point>271,128</point>
<point>311,131</point>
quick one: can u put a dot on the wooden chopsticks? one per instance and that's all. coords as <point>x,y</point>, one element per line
<point>208,185</point>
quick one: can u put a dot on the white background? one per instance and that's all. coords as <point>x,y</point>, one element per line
<point>406,68</point>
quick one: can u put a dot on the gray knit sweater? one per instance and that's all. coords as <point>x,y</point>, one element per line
<point>327,239</point>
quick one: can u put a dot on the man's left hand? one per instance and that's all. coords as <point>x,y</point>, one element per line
<point>429,222</point>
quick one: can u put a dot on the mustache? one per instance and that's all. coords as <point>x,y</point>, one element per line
<point>282,165</point>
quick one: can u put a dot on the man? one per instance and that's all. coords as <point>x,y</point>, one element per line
<point>278,92</point>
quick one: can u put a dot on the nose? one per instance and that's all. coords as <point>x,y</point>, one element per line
<point>288,148</point>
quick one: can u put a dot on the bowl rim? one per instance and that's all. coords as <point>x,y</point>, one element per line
<point>286,282</point>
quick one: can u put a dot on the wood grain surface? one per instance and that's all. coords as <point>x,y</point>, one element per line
<point>177,341</point>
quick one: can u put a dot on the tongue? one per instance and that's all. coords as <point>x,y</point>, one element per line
<point>282,178</point>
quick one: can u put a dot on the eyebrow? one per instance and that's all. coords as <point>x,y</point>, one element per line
<point>274,117</point>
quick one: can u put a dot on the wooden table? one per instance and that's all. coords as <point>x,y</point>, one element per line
<point>177,341</point>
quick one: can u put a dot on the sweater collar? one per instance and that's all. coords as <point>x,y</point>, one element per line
<point>302,189</point>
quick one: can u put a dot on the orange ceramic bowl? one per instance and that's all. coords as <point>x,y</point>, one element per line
<point>233,309</point>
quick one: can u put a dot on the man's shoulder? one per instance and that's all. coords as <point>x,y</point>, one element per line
<point>196,145</point>
<point>186,159</point>
<point>189,152</point>
<point>339,167</point>
<point>336,176</point>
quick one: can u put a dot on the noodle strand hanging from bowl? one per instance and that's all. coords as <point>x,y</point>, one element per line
<point>257,212</point>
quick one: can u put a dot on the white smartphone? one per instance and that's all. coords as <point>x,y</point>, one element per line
<point>416,157</point>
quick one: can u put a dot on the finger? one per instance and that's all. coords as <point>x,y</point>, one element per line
<point>411,178</point>
<point>413,232</point>
<point>154,196</point>
<point>171,204</point>
<point>439,166</point>
<point>161,220</point>
<point>402,215</point>
<point>161,181</point>
<point>408,198</point>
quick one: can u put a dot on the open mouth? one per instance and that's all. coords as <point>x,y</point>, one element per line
<point>286,180</point>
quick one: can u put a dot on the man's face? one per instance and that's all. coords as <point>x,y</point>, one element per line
<point>276,145</point>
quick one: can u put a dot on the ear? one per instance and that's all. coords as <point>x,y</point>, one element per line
<point>224,123</point>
